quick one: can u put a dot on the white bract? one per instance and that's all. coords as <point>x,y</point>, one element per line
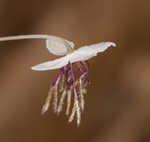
<point>67,83</point>
<point>58,46</point>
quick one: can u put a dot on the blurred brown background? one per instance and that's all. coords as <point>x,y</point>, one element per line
<point>118,100</point>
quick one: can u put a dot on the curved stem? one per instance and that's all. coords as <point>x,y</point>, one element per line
<point>19,37</point>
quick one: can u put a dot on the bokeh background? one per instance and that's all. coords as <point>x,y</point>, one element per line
<point>118,100</point>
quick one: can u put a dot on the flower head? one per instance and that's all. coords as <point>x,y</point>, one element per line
<point>72,79</point>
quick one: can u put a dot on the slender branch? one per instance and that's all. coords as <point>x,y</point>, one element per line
<point>20,37</point>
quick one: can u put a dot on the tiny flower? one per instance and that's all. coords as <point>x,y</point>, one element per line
<point>72,79</point>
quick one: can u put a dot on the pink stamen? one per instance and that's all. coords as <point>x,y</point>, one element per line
<point>73,79</point>
<point>56,82</point>
<point>84,70</point>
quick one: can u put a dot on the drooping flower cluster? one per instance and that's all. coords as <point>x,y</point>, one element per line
<point>72,79</point>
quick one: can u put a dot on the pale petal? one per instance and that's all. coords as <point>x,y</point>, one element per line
<point>87,52</point>
<point>59,46</point>
<point>81,54</point>
<point>50,65</point>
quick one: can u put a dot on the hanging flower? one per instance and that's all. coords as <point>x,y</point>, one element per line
<point>72,79</point>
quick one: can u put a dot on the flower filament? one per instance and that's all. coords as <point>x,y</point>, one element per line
<point>69,85</point>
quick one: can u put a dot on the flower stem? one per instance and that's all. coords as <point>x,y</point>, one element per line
<point>19,37</point>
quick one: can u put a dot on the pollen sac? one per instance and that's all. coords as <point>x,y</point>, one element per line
<point>68,90</point>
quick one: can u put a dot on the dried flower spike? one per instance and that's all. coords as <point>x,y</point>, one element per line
<point>69,84</point>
